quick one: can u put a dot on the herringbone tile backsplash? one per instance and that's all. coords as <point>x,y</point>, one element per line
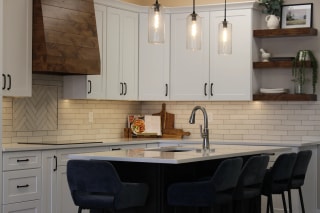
<point>40,112</point>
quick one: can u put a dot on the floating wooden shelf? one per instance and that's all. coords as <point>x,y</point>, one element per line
<point>275,64</point>
<point>291,32</point>
<point>284,97</point>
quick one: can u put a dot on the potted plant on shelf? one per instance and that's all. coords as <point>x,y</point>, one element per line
<point>273,9</point>
<point>303,61</point>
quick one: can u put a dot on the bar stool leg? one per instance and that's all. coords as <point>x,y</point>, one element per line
<point>301,200</point>
<point>270,204</point>
<point>290,201</point>
<point>284,202</point>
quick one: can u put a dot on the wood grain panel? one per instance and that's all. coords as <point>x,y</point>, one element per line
<point>58,65</point>
<point>65,37</point>
<point>65,51</point>
<point>78,5</point>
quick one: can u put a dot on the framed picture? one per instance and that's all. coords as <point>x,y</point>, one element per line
<point>296,15</point>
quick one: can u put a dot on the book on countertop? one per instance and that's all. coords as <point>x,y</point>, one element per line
<point>145,124</point>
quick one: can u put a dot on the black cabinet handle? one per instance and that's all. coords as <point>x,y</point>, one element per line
<point>166,90</point>
<point>125,88</point>
<point>4,81</point>
<point>23,186</point>
<point>9,77</point>
<point>205,89</point>
<point>121,84</point>
<point>90,86</point>
<point>211,89</point>
<point>115,149</point>
<point>22,160</point>
<point>56,163</point>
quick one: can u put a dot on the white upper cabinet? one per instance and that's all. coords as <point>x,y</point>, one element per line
<point>230,75</point>
<point>122,54</point>
<point>91,86</point>
<point>154,63</point>
<point>189,69</point>
<point>17,48</point>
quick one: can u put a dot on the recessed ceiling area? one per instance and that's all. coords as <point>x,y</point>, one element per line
<point>174,3</point>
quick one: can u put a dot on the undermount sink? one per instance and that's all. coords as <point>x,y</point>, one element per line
<point>173,149</point>
<point>178,149</point>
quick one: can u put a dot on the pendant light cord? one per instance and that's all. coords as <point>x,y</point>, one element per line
<point>225,10</point>
<point>194,10</point>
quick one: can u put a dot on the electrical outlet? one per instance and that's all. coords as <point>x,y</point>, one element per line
<point>90,117</point>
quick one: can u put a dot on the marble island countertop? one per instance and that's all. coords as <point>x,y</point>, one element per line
<point>178,154</point>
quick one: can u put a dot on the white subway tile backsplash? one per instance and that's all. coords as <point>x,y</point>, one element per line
<point>281,121</point>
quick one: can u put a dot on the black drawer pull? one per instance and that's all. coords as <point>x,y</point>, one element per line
<point>22,186</point>
<point>115,149</point>
<point>22,160</point>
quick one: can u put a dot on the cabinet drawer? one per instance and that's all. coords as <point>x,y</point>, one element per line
<point>21,160</point>
<point>26,207</point>
<point>21,185</point>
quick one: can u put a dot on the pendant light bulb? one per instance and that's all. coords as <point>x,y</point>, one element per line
<point>156,24</point>
<point>225,36</point>
<point>194,30</point>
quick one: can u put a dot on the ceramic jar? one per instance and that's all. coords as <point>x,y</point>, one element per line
<point>272,21</point>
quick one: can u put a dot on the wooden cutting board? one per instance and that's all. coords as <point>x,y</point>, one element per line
<point>167,119</point>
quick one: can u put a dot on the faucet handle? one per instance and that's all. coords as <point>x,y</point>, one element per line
<point>201,129</point>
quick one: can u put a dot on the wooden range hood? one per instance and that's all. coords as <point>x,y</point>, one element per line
<point>65,37</point>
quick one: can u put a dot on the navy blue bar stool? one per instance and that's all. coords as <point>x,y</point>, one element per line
<point>277,178</point>
<point>298,175</point>
<point>250,182</point>
<point>95,185</point>
<point>217,190</point>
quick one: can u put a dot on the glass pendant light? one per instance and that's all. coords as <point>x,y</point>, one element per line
<point>194,30</point>
<point>156,24</point>
<point>225,35</point>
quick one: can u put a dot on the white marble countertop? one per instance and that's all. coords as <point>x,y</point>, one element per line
<point>122,141</point>
<point>189,153</point>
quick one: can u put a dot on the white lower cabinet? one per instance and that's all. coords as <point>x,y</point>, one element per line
<point>36,181</point>
<point>56,197</point>
<point>21,177</point>
<point>23,207</point>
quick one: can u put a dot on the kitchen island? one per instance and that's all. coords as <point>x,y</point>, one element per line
<point>159,167</point>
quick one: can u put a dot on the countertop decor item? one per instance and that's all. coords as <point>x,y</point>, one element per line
<point>303,61</point>
<point>166,122</point>
<point>273,9</point>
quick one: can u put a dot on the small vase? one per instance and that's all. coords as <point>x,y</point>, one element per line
<point>298,88</point>
<point>272,21</point>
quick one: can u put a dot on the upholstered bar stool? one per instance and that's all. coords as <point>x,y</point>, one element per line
<point>250,183</point>
<point>96,185</point>
<point>217,190</point>
<point>277,178</point>
<point>298,175</point>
